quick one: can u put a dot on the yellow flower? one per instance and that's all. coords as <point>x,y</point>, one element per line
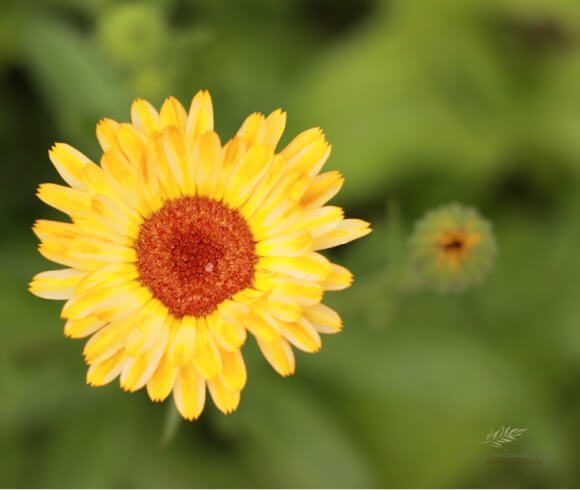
<point>178,246</point>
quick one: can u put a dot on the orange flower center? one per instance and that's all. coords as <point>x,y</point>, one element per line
<point>453,243</point>
<point>194,253</point>
<point>456,243</point>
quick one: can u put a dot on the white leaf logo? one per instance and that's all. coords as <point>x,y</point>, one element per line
<point>502,436</point>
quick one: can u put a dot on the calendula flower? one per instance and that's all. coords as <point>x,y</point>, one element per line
<point>452,247</point>
<point>178,246</point>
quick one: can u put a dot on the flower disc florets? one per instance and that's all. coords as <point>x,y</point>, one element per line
<point>194,253</point>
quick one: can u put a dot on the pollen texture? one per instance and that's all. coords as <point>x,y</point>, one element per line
<point>194,253</point>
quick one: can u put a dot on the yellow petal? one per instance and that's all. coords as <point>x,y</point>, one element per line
<point>304,292</point>
<point>249,169</point>
<point>319,221</point>
<point>100,251</point>
<point>81,305</point>
<point>70,201</point>
<point>159,168</point>
<point>144,116</point>
<point>262,325</point>
<point>274,220</point>
<point>284,308</point>
<point>274,127</point>
<point>106,304</point>
<point>109,275</point>
<point>134,341</point>
<point>104,372</point>
<point>86,253</point>
<point>138,370</point>
<point>229,337</point>
<point>48,230</point>
<point>279,354</point>
<point>107,134</point>
<point>181,351</point>
<point>162,380</point>
<point>172,114</point>
<point>60,253</point>
<point>264,280</point>
<point>132,144</point>
<point>64,234</point>
<point>189,392</point>
<point>58,284</point>
<point>122,305</point>
<point>115,217</point>
<point>78,329</point>
<point>303,335</point>
<point>123,178</point>
<point>233,151</point>
<point>150,177</point>
<point>322,189</point>
<point>323,318</point>
<point>177,155</point>
<point>206,356</point>
<point>234,374</point>
<point>302,140</point>
<point>339,278</point>
<point>69,163</point>
<point>310,159</point>
<point>95,180</point>
<point>283,186</point>
<point>147,333</point>
<point>225,400</point>
<point>253,129</point>
<point>200,118</point>
<point>293,185</point>
<point>149,166</point>
<point>347,231</point>
<point>117,167</point>
<point>208,156</point>
<point>89,227</point>
<point>232,312</point>
<point>288,245</point>
<point>311,266</point>
<point>247,296</point>
<point>107,341</point>
<point>267,187</point>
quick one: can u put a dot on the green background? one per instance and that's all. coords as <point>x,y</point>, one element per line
<point>425,102</point>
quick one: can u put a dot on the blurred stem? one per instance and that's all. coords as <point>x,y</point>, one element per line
<point>389,285</point>
<point>172,422</point>
<point>398,277</point>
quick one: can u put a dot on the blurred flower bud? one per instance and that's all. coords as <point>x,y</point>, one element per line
<point>149,82</point>
<point>132,33</point>
<point>452,247</point>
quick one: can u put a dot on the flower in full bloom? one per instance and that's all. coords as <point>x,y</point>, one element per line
<point>179,245</point>
<point>452,247</point>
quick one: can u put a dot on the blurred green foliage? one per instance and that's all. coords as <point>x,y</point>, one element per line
<point>425,102</point>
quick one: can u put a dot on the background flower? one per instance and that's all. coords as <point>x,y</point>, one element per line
<point>452,247</point>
